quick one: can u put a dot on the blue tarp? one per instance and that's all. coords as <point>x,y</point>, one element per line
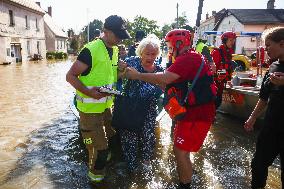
<point>239,34</point>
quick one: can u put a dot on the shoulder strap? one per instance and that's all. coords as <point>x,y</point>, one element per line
<point>222,55</point>
<point>194,80</point>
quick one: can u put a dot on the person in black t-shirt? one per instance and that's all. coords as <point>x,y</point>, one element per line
<point>139,35</point>
<point>270,141</point>
<point>96,66</point>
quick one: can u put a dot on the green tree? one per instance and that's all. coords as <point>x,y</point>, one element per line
<point>70,33</point>
<point>74,45</point>
<point>142,23</point>
<point>182,21</point>
<point>95,24</point>
<point>165,29</point>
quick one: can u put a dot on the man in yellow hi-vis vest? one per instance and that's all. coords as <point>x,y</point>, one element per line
<point>202,48</point>
<point>96,66</point>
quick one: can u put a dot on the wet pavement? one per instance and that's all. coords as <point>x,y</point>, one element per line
<point>40,145</point>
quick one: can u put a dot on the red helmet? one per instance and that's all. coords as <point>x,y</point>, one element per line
<point>179,38</point>
<point>228,34</point>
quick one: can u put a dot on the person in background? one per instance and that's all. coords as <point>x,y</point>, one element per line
<point>97,34</point>
<point>190,132</point>
<point>270,141</point>
<point>146,95</point>
<point>222,58</point>
<point>97,66</point>
<point>122,52</point>
<point>139,35</point>
<point>203,49</point>
<point>122,55</point>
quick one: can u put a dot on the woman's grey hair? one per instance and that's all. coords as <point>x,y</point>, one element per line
<point>151,39</point>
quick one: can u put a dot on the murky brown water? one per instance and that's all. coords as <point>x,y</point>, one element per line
<point>40,145</point>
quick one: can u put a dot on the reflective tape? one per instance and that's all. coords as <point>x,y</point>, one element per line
<point>95,178</point>
<point>88,141</point>
<point>92,100</point>
<point>109,86</point>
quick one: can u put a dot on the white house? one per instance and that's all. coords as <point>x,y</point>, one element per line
<point>21,30</point>
<point>208,25</point>
<point>241,20</point>
<point>248,20</point>
<point>56,39</point>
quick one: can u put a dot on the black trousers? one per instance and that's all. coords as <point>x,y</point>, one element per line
<point>220,88</point>
<point>270,143</point>
<point>218,101</point>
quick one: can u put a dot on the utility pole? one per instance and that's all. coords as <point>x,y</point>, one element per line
<point>177,15</point>
<point>88,27</point>
<point>198,18</point>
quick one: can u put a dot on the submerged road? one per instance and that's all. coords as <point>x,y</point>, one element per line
<point>40,145</point>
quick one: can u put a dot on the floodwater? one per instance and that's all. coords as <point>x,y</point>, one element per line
<point>40,146</point>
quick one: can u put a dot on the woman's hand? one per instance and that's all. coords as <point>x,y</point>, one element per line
<point>121,65</point>
<point>277,78</point>
<point>249,124</point>
<point>132,73</point>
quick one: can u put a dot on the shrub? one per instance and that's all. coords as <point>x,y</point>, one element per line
<point>56,55</point>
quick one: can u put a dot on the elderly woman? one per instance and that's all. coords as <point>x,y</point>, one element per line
<point>143,98</point>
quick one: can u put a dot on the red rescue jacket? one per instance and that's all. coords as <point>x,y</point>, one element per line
<point>222,57</point>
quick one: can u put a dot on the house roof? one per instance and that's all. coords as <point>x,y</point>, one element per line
<point>216,16</point>
<point>254,16</point>
<point>53,27</point>
<point>28,4</point>
<point>258,16</point>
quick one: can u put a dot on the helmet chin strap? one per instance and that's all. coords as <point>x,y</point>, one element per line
<point>177,52</point>
<point>225,43</point>
<point>178,43</point>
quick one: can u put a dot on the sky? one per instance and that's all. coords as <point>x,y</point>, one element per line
<point>76,14</point>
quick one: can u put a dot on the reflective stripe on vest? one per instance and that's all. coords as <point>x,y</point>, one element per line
<point>226,66</point>
<point>103,73</point>
<point>92,100</point>
<point>199,47</point>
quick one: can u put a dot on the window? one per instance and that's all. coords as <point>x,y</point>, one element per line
<point>28,48</point>
<point>11,17</point>
<point>27,22</point>
<point>37,29</point>
<point>8,51</point>
<point>38,47</point>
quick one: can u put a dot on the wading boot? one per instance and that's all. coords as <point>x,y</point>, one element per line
<point>184,186</point>
<point>95,178</point>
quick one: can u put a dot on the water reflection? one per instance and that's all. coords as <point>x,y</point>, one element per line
<point>40,145</point>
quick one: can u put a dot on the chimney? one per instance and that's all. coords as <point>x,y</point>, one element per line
<point>49,11</point>
<point>38,3</point>
<point>270,4</point>
<point>213,13</point>
<point>207,15</point>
